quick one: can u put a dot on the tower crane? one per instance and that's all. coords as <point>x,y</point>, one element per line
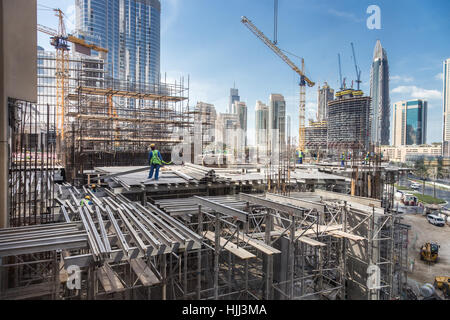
<point>60,40</point>
<point>304,80</point>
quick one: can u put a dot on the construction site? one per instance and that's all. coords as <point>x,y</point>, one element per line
<point>81,220</point>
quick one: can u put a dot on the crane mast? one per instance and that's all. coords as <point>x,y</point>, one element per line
<point>340,72</point>
<point>304,80</point>
<point>358,71</point>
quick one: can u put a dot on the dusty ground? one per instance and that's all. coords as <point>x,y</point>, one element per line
<point>421,232</point>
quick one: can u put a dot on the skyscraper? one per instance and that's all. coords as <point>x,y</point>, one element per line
<point>446,132</point>
<point>129,29</point>
<point>379,92</point>
<point>241,111</point>
<point>325,95</point>
<point>234,97</point>
<point>410,122</point>
<point>261,124</point>
<point>277,121</point>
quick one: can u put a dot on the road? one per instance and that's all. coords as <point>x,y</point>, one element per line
<point>440,193</point>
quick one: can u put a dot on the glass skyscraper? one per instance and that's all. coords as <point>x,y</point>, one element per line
<point>410,122</point>
<point>234,97</point>
<point>379,92</point>
<point>130,30</point>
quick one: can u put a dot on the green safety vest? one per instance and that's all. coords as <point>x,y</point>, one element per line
<point>155,159</point>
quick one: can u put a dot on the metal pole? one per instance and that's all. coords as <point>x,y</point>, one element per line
<point>291,257</point>
<point>216,257</point>
<point>199,254</point>
<point>164,276</point>
<point>185,289</point>
<point>269,259</point>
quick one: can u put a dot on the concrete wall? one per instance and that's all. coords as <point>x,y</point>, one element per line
<point>18,51</point>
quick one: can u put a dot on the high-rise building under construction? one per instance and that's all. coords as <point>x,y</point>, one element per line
<point>379,92</point>
<point>348,124</point>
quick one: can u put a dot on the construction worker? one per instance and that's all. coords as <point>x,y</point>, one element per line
<point>86,200</point>
<point>300,157</point>
<point>366,161</point>
<point>343,159</point>
<point>155,161</point>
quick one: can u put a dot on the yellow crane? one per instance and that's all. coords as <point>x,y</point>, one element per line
<point>304,80</point>
<point>60,40</point>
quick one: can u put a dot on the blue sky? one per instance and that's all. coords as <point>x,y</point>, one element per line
<point>206,40</point>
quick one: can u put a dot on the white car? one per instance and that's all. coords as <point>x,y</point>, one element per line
<point>415,186</point>
<point>435,220</point>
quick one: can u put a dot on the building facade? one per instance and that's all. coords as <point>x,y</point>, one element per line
<point>446,102</point>
<point>410,153</point>
<point>277,121</point>
<point>241,111</point>
<point>324,95</point>
<point>379,92</point>
<point>228,135</point>
<point>130,30</point>
<point>348,124</point>
<point>234,97</point>
<point>410,122</point>
<point>261,123</point>
<point>205,118</point>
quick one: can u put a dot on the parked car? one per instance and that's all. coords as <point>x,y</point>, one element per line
<point>436,220</point>
<point>415,186</point>
<point>409,199</point>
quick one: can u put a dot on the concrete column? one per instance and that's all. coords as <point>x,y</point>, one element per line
<point>3,135</point>
<point>18,75</point>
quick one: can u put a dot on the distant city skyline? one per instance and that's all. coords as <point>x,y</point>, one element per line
<point>215,56</point>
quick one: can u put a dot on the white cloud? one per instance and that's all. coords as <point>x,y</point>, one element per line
<point>417,93</point>
<point>405,79</point>
<point>439,76</point>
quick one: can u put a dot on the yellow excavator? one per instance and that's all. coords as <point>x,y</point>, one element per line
<point>430,252</point>
<point>443,283</point>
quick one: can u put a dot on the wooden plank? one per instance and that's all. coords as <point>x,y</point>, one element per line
<point>303,238</point>
<point>361,200</point>
<point>311,242</point>
<point>104,280</point>
<point>320,229</point>
<point>109,280</point>
<point>258,245</point>
<point>231,247</point>
<point>346,235</point>
<point>145,275</point>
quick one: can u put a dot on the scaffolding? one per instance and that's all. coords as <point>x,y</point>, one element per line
<point>348,124</point>
<point>113,122</point>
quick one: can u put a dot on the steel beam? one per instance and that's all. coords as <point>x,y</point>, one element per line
<point>223,209</point>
